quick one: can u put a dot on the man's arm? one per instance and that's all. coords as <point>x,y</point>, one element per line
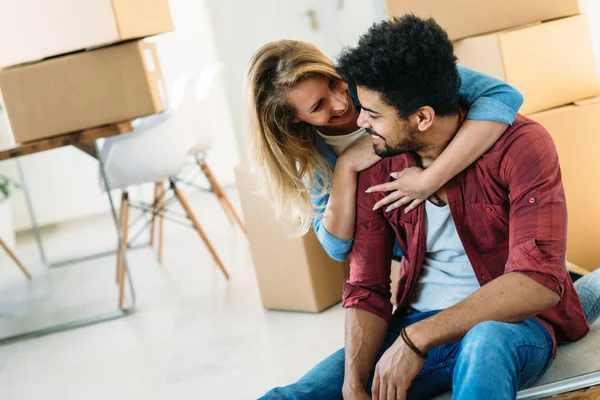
<point>367,291</point>
<point>513,297</point>
<point>364,337</point>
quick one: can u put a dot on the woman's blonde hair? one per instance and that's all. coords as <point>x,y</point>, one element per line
<point>283,150</point>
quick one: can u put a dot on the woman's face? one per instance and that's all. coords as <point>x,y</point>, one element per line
<point>322,102</point>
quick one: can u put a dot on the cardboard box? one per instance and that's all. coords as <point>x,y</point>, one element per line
<point>463,18</point>
<point>293,273</point>
<point>82,90</point>
<point>576,133</point>
<point>552,63</point>
<point>31,30</point>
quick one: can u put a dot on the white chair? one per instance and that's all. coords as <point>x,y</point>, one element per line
<point>154,152</point>
<point>205,124</point>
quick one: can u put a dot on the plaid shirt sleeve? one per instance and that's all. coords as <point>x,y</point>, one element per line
<point>538,212</point>
<point>368,287</point>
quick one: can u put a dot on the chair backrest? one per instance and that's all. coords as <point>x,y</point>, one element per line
<point>157,147</point>
<point>159,144</point>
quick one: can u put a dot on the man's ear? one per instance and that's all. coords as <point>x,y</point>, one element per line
<point>424,118</point>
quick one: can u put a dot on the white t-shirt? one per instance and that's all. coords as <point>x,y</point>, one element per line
<point>340,143</point>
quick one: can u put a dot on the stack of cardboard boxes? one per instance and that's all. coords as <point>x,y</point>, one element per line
<point>69,65</point>
<point>544,49</point>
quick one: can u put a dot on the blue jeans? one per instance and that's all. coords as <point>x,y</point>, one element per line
<point>588,289</point>
<point>493,361</point>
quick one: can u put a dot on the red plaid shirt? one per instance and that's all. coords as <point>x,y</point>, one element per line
<point>510,213</point>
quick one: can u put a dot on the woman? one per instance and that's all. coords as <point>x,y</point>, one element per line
<point>304,133</point>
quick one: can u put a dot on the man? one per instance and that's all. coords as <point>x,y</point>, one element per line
<point>483,294</point>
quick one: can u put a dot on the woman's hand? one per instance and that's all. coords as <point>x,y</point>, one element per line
<point>360,155</point>
<point>412,185</point>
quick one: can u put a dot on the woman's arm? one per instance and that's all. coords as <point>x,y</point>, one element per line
<point>335,226</point>
<point>332,232</point>
<point>493,106</point>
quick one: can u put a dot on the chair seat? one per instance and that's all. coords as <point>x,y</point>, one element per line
<point>573,360</point>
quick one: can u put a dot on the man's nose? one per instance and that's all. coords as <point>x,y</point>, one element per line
<point>363,120</point>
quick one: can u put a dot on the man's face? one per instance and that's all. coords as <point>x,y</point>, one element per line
<point>391,135</point>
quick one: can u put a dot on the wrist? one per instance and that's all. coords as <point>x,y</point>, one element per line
<point>432,180</point>
<point>419,337</point>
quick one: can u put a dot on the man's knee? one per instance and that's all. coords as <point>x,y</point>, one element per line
<point>486,342</point>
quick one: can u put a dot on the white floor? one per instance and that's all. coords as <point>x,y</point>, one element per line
<point>194,335</point>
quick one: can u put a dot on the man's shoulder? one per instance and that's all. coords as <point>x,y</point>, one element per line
<point>525,135</point>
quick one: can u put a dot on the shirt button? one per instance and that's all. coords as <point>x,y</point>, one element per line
<point>532,200</point>
<point>488,209</point>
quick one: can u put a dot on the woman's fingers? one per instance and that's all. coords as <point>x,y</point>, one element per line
<point>384,187</point>
<point>388,199</point>
<point>403,201</point>
<point>413,205</point>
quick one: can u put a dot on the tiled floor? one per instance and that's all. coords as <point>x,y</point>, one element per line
<point>194,336</point>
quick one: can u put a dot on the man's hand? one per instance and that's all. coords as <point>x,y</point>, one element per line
<point>395,371</point>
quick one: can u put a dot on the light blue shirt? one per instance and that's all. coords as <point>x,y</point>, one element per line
<point>488,99</point>
<point>447,277</point>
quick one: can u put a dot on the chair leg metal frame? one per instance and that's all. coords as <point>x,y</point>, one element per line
<point>159,208</point>
<point>28,202</point>
<point>216,189</point>
<point>119,313</point>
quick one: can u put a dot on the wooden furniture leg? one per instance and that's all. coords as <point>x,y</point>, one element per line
<point>217,189</point>
<point>161,220</point>
<point>154,209</point>
<point>121,218</point>
<point>186,206</point>
<point>125,231</point>
<point>14,257</point>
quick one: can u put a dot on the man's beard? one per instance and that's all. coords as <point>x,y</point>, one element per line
<point>408,144</point>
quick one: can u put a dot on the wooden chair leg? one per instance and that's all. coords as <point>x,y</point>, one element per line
<point>221,195</point>
<point>225,208</point>
<point>125,232</point>
<point>154,209</point>
<point>186,206</point>
<point>14,257</point>
<point>122,228</point>
<point>161,204</point>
